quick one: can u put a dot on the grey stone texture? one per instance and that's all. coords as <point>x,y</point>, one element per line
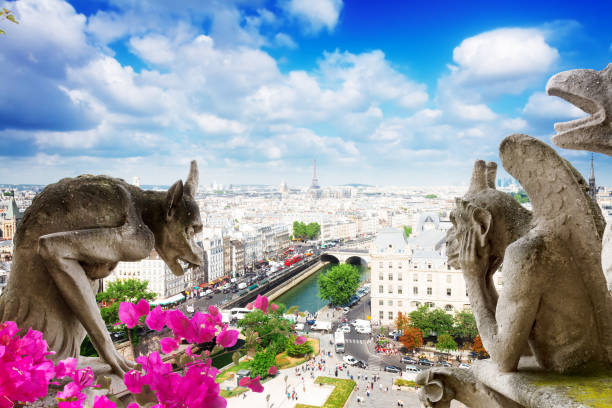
<point>74,233</point>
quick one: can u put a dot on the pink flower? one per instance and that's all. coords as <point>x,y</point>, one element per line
<point>299,340</point>
<point>213,310</point>
<point>274,307</point>
<point>168,345</point>
<point>261,303</point>
<point>249,306</point>
<point>227,338</point>
<point>66,368</point>
<point>71,396</point>
<point>253,384</point>
<point>101,401</point>
<point>133,381</point>
<point>156,320</point>
<point>142,307</point>
<point>128,314</point>
<point>180,325</point>
<point>272,370</point>
<point>133,405</point>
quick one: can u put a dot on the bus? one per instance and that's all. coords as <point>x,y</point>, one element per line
<point>339,341</point>
<point>253,287</point>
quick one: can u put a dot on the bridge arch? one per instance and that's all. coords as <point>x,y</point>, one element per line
<point>329,258</point>
<point>356,260</point>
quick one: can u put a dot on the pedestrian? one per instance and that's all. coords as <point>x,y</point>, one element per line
<point>372,386</point>
<point>288,396</point>
<point>386,389</point>
<point>368,393</point>
<point>380,386</point>
<point>304,387</point>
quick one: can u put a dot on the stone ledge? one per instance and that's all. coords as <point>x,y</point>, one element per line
<point>532,387</point>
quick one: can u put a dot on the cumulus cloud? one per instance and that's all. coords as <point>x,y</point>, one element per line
<point>284,40</point>
<point>316,15</point>
<point>541,105</point>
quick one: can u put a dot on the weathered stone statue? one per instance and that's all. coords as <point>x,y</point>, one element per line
<point>554,302</point>
<point>74,233</point>
<point>591,91</point>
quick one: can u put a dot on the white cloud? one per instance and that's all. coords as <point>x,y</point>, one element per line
<point>514,124</point>
<point>284,40</point>
<point>316,15</point>
<point>541,105</point>
<point>210,123</point>
<point>154,48</point>
<point>472,112</point>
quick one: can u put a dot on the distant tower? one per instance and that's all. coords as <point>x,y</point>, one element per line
<point>315,190</point>
<point>315,181</point>
<point>592,186</point>
<point>136,181</point>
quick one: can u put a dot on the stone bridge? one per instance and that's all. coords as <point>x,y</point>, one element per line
<point>353,256</point>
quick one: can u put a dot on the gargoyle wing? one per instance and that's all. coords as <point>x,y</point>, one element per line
<point>562,206</point>
<point>590,91</point>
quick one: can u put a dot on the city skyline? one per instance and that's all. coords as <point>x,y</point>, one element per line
<point>393,95</point>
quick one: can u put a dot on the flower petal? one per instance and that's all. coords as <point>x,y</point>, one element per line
<point>142,307</point>
<point>101,401</point>
<point>227,338</point>
<point>156,320</point>
<point>299,340</point>
<point>272,370</point>
<point>168,345</point>
<point>128,314</point>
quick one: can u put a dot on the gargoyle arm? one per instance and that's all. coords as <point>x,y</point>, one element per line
<point>62,253</point>
<point>504,331</point>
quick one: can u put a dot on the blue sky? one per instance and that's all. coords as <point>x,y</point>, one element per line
<point>387,93</point>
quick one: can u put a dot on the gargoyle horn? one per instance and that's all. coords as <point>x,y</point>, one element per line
<point>191,184</point>
<point>479,178</point>
<point>491,173</point>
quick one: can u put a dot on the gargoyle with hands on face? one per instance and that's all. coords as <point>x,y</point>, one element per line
<point>554,297</point>
<point>74,233</point>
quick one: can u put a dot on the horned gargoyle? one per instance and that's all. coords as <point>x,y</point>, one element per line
<point>554,299</point>
<point>591,91</point>
<point>74,233</point>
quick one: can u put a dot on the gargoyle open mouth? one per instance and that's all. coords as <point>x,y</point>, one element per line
<point>590,91</point>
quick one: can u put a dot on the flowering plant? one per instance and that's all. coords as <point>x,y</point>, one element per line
<point>26,371</point>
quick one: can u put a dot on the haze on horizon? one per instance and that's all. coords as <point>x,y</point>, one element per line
<point>397,94</point>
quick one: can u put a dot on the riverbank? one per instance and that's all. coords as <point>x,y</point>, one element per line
<point>291,283</point>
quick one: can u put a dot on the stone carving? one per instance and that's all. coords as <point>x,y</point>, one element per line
<point>554,297</point>
<point>74,233</point>
<point>591,91</point>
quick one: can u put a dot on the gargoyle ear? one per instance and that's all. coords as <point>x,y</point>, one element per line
<point>482,223</point>
<point>191,184</point>
<point>173,198</point>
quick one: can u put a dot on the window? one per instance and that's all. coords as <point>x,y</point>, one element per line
<point>449,278</point>
<point>429,291</point>
<point>448,291</point>
<point>400,303</point>
<point>381,302</point>
<point>380,264</point>
<point>499,281</point>
<point>415,290</point>
<point>399,290</point>
<point>399,265</point>
<point>415,277</point>
<point>381,315</point>
<point>390,289</point>
<point>390,276</point>
<point>430,304</point>
<point>429,277</point>
<point>448,267</point>
<point>390,265</point>
<point>390,303</point>
<point>399,276</point>
<point>390,315</point>
<point>380,289</point>
<point>429,266</point>
<point>381,276</point>
<point>415,266</point>
<point>448,308</point>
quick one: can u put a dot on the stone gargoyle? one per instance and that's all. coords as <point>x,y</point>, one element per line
<point>554,300</point>
<point>74,233</point>
<point>591,91</point>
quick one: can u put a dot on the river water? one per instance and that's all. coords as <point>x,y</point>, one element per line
<point>305,295</point>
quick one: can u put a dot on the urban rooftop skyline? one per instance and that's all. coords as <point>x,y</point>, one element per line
<point>387,94</point>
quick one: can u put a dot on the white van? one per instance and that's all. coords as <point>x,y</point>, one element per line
<point>239,312</point>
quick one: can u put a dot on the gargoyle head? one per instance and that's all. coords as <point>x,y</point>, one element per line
<point>485,215</point>
<point>174,238</point>
<point>590,91</point>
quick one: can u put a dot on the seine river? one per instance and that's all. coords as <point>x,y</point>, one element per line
<point>306,294</point>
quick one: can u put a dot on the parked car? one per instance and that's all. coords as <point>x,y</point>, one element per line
<point>363,329</point>
<point>393,369</point>
<point>464,365</point>
<point>443,364</point>
<point>348,359</point>
<point>426,362</point>
<point>345,328</point>
<point>408,360</point>
<point>413,369</point>
<point>345,310</point>
<point>310,321</point>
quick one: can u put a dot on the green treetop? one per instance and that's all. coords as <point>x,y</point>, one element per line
<point>446,342</point>
<point>464,325</point>
<point>407,231</point>
<point>339,283</point>
<point>306,231</point>
<point>130,290</point>
<point>431,320</point>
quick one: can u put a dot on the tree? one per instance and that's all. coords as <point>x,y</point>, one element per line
<point>521,197</point>
<point>8,15</point>
<point>304,231</point>
<point>262,362</point>
<point>431,320</point>
<point>478,348</point>
<point>412,338</point>
<point>446,342</point>
<point>339,283</point>
<point>407,231</point>
<point>298,350</point>
<point>464,326</point>
<point>431,196</point>
<point>269,327</point>
<point>402,321</point>
<point>130,290</point>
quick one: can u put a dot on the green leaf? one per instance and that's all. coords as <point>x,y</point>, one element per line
<point>2,31</point>
<point>11,17</point>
